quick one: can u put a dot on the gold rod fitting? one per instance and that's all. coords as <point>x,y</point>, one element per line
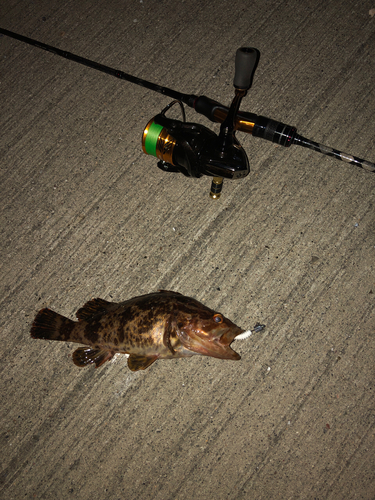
<point>216,187</point>
<point>240,125</point>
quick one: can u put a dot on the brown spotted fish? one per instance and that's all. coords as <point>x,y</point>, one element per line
<point>161,325</point>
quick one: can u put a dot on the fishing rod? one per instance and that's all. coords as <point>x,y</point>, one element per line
<point>195,150</point>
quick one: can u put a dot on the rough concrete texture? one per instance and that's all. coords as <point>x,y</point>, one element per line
<point>85,213</point>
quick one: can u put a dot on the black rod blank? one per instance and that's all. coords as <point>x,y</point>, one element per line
<point>185,98</point>
<point>335,153</point>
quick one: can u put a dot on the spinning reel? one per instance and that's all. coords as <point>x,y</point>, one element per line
<point>195,150</point>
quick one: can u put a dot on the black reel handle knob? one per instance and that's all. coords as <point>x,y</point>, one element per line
<point>247,59</point>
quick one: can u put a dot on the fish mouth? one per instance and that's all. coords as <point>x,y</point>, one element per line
<point>216,346</point>
<point>226,340</point>
<point>230,335</point>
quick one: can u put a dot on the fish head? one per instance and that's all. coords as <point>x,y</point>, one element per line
<point>207,332</point>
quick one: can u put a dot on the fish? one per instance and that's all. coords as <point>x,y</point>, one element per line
<point>159,325</point>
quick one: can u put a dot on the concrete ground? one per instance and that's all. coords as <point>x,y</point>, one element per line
<point>85,213</point>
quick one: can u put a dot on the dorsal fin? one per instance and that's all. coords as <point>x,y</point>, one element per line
<point>95,307</point>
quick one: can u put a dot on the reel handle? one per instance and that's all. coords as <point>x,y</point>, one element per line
<point>246,63</point>
<point>227,148</point>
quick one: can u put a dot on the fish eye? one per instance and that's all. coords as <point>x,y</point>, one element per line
<point>218,318</point>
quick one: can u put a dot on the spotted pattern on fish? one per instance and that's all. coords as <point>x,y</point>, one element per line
<point>161,325</point>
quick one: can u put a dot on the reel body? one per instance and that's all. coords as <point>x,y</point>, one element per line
<point>192,149</point>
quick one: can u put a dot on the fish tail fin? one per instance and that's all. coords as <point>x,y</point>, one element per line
<point>50,325</point>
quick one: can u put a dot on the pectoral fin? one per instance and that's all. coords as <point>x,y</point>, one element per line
<point>140,362</point>
<point>84,356</point>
